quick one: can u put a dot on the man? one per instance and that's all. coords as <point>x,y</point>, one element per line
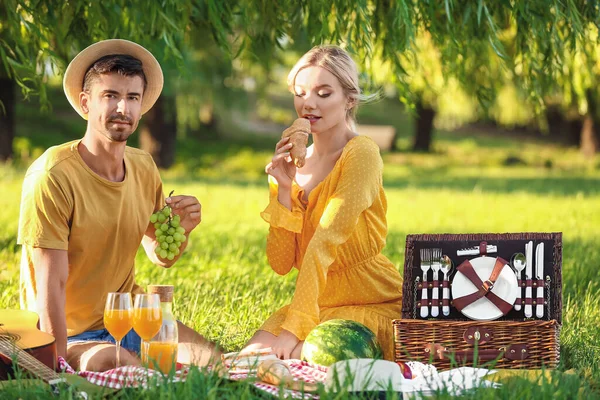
<point>86,206</point>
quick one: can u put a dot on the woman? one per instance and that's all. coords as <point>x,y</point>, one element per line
<point>327,218</point>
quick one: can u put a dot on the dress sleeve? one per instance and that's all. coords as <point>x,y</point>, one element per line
<point>284,224</point>
<point>45,214</point>
<point>357,188</point>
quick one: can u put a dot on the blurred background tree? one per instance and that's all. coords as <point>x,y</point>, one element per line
<point>435,53</point>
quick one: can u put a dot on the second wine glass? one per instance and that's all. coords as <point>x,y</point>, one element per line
<point>147,316</point>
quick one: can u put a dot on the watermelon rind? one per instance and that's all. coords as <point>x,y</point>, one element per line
<point>339,339</point>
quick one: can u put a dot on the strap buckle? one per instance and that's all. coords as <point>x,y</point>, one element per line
<point>487,285</point>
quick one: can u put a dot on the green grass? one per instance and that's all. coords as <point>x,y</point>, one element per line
<point>225,288</point>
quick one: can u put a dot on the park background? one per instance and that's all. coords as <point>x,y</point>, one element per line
<point>492,107</point>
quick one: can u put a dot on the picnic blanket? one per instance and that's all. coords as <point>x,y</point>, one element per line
<point>140,377</point>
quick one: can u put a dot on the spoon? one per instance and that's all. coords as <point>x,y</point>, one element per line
<point>518,263</point>
<point>446,267</point>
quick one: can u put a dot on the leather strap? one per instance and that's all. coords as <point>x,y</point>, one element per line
<point>483,248</point>
<point>529,282</point>
<point>484,288</point>
<point>512,352</point>
<point>540,282</point>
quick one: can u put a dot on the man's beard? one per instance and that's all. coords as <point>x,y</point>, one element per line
<point>119,133</point>
<point>119,136</point>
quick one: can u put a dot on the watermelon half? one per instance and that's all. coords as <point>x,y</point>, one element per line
<point>340,339</point>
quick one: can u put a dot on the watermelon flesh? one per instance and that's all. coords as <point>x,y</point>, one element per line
<point>339,339</point>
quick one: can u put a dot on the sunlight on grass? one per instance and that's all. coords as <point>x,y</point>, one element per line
<point>225,288</point>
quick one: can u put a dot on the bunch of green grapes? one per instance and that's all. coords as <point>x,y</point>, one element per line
<point>169,233</point>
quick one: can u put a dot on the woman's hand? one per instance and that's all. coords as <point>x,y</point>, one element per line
<point>284,344</point>
<point>281,166</point>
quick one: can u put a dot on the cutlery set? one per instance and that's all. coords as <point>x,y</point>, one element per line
<point>433,259</point>
<point>530,281</point>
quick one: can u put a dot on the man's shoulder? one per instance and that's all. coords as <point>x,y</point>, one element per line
<point>54,157</point>
<point>138,153</point>
<point>140,157</point>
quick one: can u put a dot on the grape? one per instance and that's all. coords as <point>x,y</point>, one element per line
<point>169,232</point>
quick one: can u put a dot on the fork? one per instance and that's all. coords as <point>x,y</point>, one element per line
<point>435,292</point>
<point>425,265</point>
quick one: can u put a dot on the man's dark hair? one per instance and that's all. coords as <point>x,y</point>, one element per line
<point>120,63</point>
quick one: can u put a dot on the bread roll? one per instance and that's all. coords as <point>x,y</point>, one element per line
<point>298,134</point>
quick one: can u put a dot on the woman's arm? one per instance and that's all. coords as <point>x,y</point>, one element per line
<point>285,223</point>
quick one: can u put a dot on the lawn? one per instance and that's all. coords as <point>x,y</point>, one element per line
<point>225,287</point>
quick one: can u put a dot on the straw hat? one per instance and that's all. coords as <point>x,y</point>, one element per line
<point>73,80</point>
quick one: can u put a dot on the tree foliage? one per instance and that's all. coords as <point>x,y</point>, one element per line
<point>534,40</point>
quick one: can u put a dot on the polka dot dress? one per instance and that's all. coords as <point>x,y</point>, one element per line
<point>335,240</point>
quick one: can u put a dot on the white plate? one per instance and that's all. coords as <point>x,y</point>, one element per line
<point>483,309</point>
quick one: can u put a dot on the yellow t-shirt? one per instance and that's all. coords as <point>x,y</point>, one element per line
<point>66,206</point>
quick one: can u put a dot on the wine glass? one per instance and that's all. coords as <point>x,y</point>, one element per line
<point>118,318</point>
<point>147,316</point>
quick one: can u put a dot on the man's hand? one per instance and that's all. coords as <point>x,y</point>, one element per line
<point>188,208</point>
<point>284,344</point>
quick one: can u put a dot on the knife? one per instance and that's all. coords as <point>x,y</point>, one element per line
<point>528,277</point>
<point>539,274</point>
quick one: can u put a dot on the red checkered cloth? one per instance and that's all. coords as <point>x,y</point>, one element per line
<point>131,376</point>
<point>127,376</point>
<point>301,371</point>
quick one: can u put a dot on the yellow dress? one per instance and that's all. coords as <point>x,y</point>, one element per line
<point>335,240</point>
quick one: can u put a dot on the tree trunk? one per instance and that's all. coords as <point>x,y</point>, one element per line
<point>159,131</point>
<point>563,128</point>
<point>423,128</point>
<point>589,131</point>
<point>7,116</point>
<point>589,137</point>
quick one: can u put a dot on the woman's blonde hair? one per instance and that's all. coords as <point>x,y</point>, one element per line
<point>342,66</point>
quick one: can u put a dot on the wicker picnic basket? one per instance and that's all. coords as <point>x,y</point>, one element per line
<point>511,341</point>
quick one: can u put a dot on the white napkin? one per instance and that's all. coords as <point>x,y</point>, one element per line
<point>381,375</point>
<point>455,381</point>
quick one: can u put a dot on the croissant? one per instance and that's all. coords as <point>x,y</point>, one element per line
<point>298,134</point>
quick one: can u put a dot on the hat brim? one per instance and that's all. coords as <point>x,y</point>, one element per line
<point>73,79</point>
